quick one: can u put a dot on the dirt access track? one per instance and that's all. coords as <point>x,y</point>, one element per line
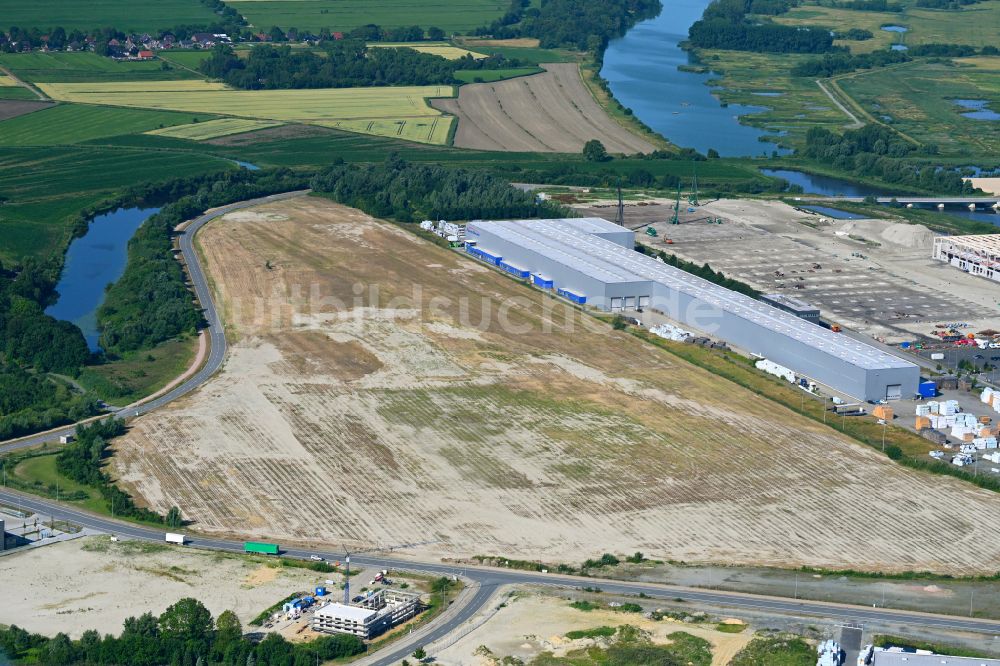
<point>551,112</point>
<point>372,395</point>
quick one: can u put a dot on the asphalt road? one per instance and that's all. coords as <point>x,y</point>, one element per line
<point>216,332</point>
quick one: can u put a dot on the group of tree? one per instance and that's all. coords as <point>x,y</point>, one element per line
<point>841,63</point>
<point>945,4</point>
<point>875,151</point>
<point>185,634</point>
<point>759,37</point>
<point>585,25</point>
<point>855,34</point>
<point>344,64</point>
<point>32,344</point>
<point>872,6</point>
<point>151,302</point>
<point>411,192</point>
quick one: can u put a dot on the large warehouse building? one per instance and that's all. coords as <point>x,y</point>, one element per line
<point>979,255</point>
<point>591,261</point>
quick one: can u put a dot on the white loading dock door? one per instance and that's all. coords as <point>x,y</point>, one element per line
<point>630,302</point>
<point>894,392</point>
<point>616,303</point>
<point>644,301</point>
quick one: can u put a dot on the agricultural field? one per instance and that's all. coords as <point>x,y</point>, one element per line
<point>38,67</point>
<point>38,218</point>
<point>190,59</point>
<point>442,49</point>
<point>8,81</point>
<point>434,130</point>
<point>212,129</point>
<point>344,15</point>
<point>402,105</point>
<point>76,123</point>
<point>122,14</point>
<point>917,99</point>
<point>549,112</point>
<point>525,50</point>
<point>412,394</point>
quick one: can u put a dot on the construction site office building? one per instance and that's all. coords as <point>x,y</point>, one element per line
<point>368,618</point>
<point>593,262</point>
<point>978,255</point>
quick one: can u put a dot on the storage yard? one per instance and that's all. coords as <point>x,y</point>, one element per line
<point>549,112</point>
<point>592,261</point>
<point>873,276</point>
<point>346,412</point>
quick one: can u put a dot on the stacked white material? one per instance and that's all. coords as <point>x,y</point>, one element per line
<point>966,420</point>
<point>670,332</point>
<point>923,410</point>
<point>949,421</point>
<point>996,402</point>
<point>992,457</point>
<point>773,368</point>
<point>948,408</point>
<point>934,406</point>
<point>967,448</point>
<point>427,225</point>
<point>960,431</point>
<point>986,396</point>
<point>982,443</point>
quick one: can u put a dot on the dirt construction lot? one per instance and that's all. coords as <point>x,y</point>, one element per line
<point>92,583</point>
<point>548,112</point>
<point>372,395</point>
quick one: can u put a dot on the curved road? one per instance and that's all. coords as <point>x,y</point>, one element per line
<point>215,331</point>
<point>485,580</point>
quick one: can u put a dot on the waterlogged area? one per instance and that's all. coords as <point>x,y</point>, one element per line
<point>977,109</point>
<point>642,71</point>
<point>94,261</point>
<point>835,187</point>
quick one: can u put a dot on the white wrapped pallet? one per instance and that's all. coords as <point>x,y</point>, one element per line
<point>986,396</point>
<point>923,410</point>
<point>949,420</point>
<point>934,406</point>
<point>959,432</point>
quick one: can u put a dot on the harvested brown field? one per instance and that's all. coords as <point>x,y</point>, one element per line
<point>12,108</point>
<point>548,112</point>
<point>372,395</point>
<point>280,133</point>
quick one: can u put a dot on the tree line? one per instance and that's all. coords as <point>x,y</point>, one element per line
<point>151,302</point>
<point>585,25</point>
<point>345,64</point>
<point>842,63</point>
<point>726,24</point>
<point>411,192</point>
<point>874,151</point>
<point>185,634</point>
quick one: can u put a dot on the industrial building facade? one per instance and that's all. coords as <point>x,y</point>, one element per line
<point>374,614</point>
<point>593,262</point>
<point>978,255</point>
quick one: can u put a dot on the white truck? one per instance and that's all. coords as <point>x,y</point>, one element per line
<point>179,539</point>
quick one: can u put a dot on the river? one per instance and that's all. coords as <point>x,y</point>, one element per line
<point>94,261</point>
<point>642,71</point>
<point>835,187</point>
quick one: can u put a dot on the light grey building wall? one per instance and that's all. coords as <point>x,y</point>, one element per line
<point>572,257</point>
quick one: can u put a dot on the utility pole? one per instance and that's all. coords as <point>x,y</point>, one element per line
<point>884,425</point>
<point>620,216</point>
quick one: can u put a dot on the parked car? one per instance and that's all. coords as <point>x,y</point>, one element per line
<point>316,558</point>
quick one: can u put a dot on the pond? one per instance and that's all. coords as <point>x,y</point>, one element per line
<point>977,109</point>
<point>835,213</point>
<point>249,166</point>
<point>899,47</point>
<point>642,71</point>
<point>94,261</point>
<point>895,28</point>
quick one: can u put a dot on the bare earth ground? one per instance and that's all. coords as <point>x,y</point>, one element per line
<point>378,424</point>
<point>11,108</point>
<point>548,112</point>
<point>532,623</point>
<point>893,291</point>
<point>91,583</point>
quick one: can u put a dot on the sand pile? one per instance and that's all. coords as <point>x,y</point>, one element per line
<point>898,233</point>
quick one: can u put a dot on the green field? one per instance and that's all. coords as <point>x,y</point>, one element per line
<point>527,55</point>
<point>139,374</point>
<point>47,188</point>
<point>212,129</point>
<point>40,472</point>
<point>19,92</point>
<point>916,99</point>
<point>343,15</point>
<point>442,49</point>
<point>190,59</point>
<point>488,75</point>
<point>388,111</point>
<point>86,67</point>
<point>76,123</point>
<point>89,14</point>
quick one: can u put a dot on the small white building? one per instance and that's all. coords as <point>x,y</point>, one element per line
<point>978,255</point>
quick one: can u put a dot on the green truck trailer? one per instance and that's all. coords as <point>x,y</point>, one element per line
<point>261,548</point>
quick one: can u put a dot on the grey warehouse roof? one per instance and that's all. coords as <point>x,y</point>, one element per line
<point>568,242</point>
<point>911,659</point>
